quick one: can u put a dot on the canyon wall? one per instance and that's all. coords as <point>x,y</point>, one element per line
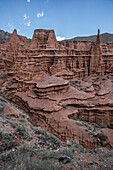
<point>42,80</point>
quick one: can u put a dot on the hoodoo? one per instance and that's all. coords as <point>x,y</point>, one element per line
<point>96,61</point>
<point>44,39</point>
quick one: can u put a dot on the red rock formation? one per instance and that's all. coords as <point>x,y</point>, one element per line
<point>44,39</point>
<point>36,83</point>
<point>96,62</point>
<point>14,38</point>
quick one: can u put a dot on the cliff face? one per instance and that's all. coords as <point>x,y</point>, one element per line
<point>80,58</point>
<point>39,75</point>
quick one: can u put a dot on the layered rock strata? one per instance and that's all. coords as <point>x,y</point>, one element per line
<point>42,80</point>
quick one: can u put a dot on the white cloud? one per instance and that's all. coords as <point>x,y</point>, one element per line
<point>25,17</point>
<point>59,38</point>
<point>11,26</point>
<point>40,14</point>
<point>28,0</point>
<point>28,23</point>
<point>27,20</point>
<point>18,31</point>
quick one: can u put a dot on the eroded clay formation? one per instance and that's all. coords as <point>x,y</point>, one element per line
<point>43,80</point>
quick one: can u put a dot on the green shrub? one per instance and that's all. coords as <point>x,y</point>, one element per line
<point>7,136</point>
<point>1,107</point>
<point>97,78</point>
<point>102,137</point>
<point>47,154</point>
<point>69,152</point>
<point>13,125</point>
<point>22,160</point>
<point>47,136</point>
<point>7,143</point>
<point>25,162</point>
<point>2,147</point>
<point>73,118</point>
<point>64,106</point>
<point>88,127</point>
<point>22,131</point>
<point>95,127</point>
<point>7,117</point>
<point>53,139</point>
<point>41,131</point>
<point>3,76</point>
<point>103,78</point>
<point>1,135</point>
<point>103,126</point>
<point>22,120</point>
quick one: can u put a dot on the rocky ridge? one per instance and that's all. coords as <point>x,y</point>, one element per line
<point>105,37</point>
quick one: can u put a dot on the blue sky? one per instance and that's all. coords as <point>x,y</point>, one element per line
<point>69,18</point>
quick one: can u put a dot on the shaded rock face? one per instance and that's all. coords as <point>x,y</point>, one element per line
<point>43,79</point>
<point>4,36</point>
